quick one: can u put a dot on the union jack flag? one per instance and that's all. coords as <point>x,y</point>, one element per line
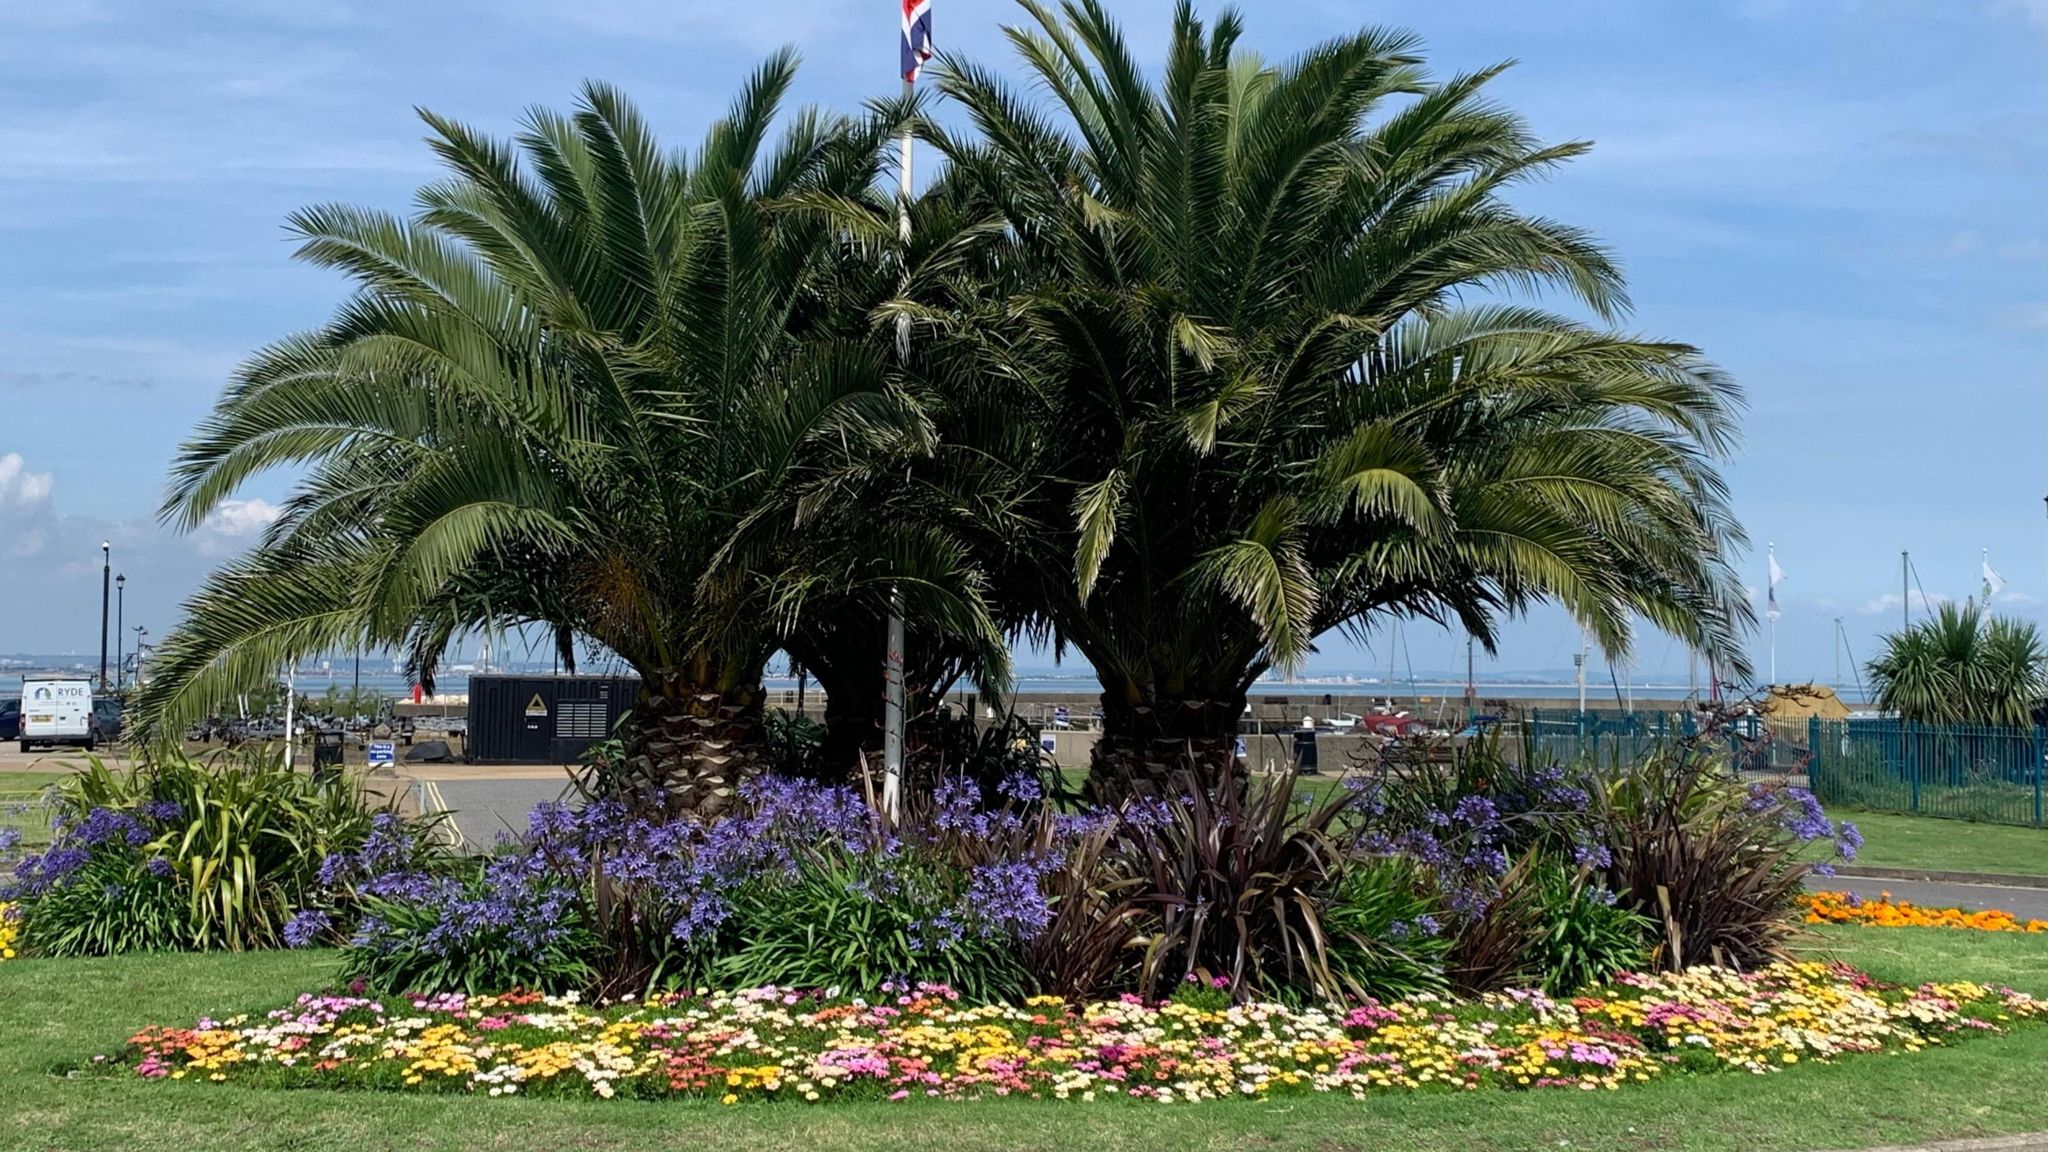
<point>917,37</point>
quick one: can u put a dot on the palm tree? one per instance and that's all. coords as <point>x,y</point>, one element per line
<point>1250,311</point>
<point>1963,666</point>
<point>596,387</point>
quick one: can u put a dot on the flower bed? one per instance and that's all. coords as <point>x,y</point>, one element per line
<point>770,1043</point>
<point>1848,908</point>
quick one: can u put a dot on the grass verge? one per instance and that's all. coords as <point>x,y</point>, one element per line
<point>19,794</point>
<point>1895,841</point>
<point>54,1013</point>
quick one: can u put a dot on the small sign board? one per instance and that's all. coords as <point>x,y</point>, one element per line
<point>1047,743</point>
<point>382,753</point>
<point>536,708</point>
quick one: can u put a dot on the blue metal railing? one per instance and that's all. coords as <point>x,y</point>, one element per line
<point>1966,771</point>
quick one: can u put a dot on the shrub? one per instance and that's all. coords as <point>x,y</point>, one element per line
<point>1387,930</point>
<point>794,741</point>
<point>184,854</point>
<point>1466,824</point>
<point>404,945</point>
<point>800,884</point>
<point>1586,935</point>
<point>851,920</point>
<point>106,906</point>
<point>1717,867</point>
<point>1491,945</point>
<point>1548,925</point>
<point>1092,933</point>
<point>1235,886</point>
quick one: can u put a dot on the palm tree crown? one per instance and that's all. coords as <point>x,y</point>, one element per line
<point>1963,666</point>
<point>1252,301</point>
<point>581,387</point>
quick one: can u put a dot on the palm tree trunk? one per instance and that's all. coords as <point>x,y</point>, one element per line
<point>1149,740</point>
<point>695,743</point>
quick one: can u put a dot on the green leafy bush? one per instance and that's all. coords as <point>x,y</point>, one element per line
<point>1585,935</point>
<point>396,953</point>
<point>1388,930</point>
<point>106,907</point>
<point>186,854</point>
<point>854,921</point>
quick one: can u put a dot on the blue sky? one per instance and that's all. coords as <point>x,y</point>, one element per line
<point>1842,202</point>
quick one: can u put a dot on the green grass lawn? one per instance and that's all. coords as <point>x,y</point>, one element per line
<point>19,790</point>
<point>57,1013</point>
<point>1893,841</point>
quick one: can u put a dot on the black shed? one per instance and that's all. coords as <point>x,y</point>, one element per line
<point>543,719</point>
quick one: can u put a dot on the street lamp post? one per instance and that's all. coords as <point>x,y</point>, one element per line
<point>106,595</point>
<point>120,627</point>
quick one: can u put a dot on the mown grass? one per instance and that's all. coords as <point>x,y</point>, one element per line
<point>1895,841</point>
<point>20,794</point>
<point>59,1013</point>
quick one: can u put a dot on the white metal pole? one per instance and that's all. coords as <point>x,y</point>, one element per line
<point>892,737</point>
<point>290,698</point>
<point>1771,597</point>
<point>892,674</point>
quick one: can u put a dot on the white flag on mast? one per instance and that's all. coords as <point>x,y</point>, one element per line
<point>1777,578</point>
<point>1993,582</point>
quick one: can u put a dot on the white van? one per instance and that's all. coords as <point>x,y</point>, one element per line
<point>55,711</point>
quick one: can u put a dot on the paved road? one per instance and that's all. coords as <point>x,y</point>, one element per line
<point>2026,903</point>
<point>486,807</point>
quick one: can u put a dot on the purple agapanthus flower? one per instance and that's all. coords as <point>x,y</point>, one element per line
<point>305,927</point>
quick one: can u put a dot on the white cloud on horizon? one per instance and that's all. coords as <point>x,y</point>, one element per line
<point>1890,602</point>
<point>234,525</point>
<point>19,486</point>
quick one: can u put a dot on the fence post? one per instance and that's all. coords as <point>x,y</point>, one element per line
<point>1813,755</point>
<point>1912,762</point>
<point>2040,745</point>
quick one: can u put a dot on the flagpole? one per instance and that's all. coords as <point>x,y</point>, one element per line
<point>892,674</point>
<point>1772,577</point>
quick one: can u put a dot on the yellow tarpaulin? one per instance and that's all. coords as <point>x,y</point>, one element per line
<point>1804,702</point>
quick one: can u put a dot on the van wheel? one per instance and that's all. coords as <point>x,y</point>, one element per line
<point>92,743</point>
<point>24,745</point>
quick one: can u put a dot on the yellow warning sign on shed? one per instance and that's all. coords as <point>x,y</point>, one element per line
<point>536,706</point>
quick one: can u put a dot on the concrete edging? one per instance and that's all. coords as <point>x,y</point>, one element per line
<point>1941,876</point>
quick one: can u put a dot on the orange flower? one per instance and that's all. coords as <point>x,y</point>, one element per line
<point>1884,912</point>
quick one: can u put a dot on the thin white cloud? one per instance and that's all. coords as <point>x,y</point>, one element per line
<point>2035,11</point>
<point>237,519</point>
<point>21,488</point>
<point>1890,601</point>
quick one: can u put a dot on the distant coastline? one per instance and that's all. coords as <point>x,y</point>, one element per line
<point>1502,686</point>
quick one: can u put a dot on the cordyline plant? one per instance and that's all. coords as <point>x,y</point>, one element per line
<point>1236,885</point>
<point>1963,666</point>
<point>1716,866</point>
<point>1258,310</point>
